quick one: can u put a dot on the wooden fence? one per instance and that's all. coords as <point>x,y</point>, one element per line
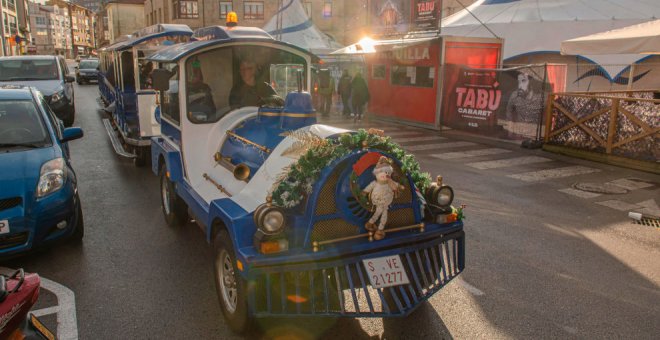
<point>620,127</point>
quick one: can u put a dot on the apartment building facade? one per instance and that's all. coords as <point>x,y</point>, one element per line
<point>124,17</point>
<point>346,21</point>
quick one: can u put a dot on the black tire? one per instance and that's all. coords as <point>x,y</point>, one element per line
<point>79,231</point>
<point>141,153</point>
<point>70,113</point>
<point>174,208</point>
<point>236,313</point>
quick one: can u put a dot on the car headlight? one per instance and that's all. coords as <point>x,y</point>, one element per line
<point>51,177</point>
<point>57,96</point>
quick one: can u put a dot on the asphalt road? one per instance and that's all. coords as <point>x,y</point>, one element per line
<point>540,263</point>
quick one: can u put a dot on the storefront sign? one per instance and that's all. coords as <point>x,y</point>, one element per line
<point>413,53</point>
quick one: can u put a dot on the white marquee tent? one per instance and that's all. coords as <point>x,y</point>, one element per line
<point>291,24</point>
<point>641,38</point>
<point>530,26</point>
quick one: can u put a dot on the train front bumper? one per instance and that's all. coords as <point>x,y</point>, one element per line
<point>341,286</point>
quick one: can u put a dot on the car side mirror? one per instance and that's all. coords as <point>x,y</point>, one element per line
<point>69,79</point>
<point>76,67</point>
<point>71,133</point>
<point>160,79</point>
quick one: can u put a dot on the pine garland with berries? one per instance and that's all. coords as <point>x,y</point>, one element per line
<point>299,178</point>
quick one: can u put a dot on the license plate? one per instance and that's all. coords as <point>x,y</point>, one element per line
<point>386,271</point>
<point>4,227</point>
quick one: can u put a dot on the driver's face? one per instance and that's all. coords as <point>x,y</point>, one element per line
<point>248,71</point>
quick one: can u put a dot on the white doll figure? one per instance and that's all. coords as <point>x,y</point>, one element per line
<point>382,190</point>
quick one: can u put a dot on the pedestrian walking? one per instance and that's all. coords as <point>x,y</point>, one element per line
<point>359,95</point>
<point>344,90</point>
<point>326,89</point>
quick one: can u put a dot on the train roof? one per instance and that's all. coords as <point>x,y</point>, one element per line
<point>218,35</point>
<point>151,32</point>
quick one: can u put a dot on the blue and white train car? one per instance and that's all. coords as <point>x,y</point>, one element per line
<point>126,90</point>
<point>281,198</point>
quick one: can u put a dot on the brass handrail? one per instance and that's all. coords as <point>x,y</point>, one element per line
<point>247,141</point>
<point>217,185</point>
<point>316,245</point>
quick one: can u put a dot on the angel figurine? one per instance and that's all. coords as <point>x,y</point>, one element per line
<point>383,190</point>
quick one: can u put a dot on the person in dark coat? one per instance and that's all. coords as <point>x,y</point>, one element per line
<point>360,95</point>
<point>344,90</point>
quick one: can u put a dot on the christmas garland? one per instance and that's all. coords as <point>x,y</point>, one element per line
<point>298,180</point>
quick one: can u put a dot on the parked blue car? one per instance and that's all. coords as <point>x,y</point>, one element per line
<point>39,201</point>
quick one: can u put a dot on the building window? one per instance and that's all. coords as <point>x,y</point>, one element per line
<point>418,76</point>
<point>253,10</point>
<point>185,9</point>
<point>327,10</point>
<point>41,20</point>
<point>225,7</point>
<point>160,16</point>
<point>308,9</point>
<point>378,71</point>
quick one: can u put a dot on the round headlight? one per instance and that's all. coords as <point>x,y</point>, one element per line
<point>273,221</point>
<point>445,196</point>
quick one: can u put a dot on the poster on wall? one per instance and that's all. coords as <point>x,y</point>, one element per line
<point>390,17</point>
<point>507,102</point>
<point>476,99</point>
<point>426,14</point>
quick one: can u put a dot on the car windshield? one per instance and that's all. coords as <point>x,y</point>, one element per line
<point>28,69</point>
<point>21,125</point>
<point>88,64</point>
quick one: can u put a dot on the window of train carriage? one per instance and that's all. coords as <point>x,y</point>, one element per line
<point>223,79</point>
<point>169,108</point>
<point>127,72</point>
<point>145,68</point>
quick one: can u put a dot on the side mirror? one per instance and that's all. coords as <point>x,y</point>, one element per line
<point>76,67</point>
<point>160,79</point>
<point>71,133</point>
<point>69,79</point>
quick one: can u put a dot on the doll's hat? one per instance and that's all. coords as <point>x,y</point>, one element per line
<point>383,165</point>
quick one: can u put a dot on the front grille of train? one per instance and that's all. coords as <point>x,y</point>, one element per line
<point>342,288</point>
<point>328,229</point>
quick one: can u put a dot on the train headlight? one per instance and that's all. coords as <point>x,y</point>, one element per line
<point>273,221</point>
<point>444,196</point>
<point>269,219</point>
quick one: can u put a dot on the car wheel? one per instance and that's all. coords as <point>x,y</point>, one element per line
<point>78,81</point>
<point>174,208</point>
<point>79,230</point>
<point>230,286</point>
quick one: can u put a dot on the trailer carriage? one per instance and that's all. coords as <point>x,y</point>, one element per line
<point>281,197</point>
<point>125,88</point>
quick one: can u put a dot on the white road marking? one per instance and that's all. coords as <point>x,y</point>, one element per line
<point>418,139</point>
<point>503,163</point>
<point>438,146</point>
<point>618,205</point>
<point>649,208</point>
<point>400,132</point>
<point>67,324</point>
<point>630,185</point>
<point>579,193</point>
<point>471,153</point>
<point>542,175</point>
<point>470,288</point>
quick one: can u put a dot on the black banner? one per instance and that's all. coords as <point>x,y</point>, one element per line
<point>426,14</point>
